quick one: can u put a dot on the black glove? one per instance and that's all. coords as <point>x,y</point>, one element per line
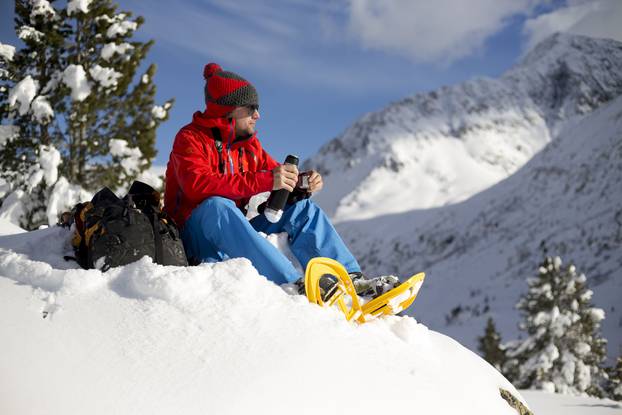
<point>297,195</point>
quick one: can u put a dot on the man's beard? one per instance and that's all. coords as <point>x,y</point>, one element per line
<point>242,135</point>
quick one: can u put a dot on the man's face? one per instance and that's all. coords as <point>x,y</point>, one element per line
<point>245,120</point>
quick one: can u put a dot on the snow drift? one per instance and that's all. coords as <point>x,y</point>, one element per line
<point>216,338</point>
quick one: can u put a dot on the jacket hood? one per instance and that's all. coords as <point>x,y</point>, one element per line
<point>224,124</point>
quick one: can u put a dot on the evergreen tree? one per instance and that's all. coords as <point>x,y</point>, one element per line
<point>26,102</point>
<point>79,118</point>
<point>563,351</point>
<point>490,346</point>
<point>614,384</point>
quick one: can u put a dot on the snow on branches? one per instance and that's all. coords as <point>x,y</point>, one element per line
<point>77,118</point>
<point>23,97</point>
<point>129,158</point>
<point>563,351</point>
<point>106,77</point>
<point>27,33</point>
<point>41,8</point>
<point>23,93</point>
<point>74,6</point>
<point>74,77</point>
<point>112,48</point>
<point>7,52</point>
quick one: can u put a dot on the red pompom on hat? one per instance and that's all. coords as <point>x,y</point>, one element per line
<point>224,91</point>
<point>210,69</point>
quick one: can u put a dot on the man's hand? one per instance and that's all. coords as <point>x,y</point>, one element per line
<point>315,181</point>
<point>285,177</point>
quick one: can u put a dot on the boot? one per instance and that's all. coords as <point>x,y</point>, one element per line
<point>328,286</point>
<point>373,287</point>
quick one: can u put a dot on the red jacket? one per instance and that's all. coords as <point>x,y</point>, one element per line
<point>193,172</point>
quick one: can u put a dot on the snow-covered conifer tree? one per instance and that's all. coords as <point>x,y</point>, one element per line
<point>73,116</point>
<point>490,345</point>
<point>614,384</point>
<point>28,157</point>
<point>563,351</point>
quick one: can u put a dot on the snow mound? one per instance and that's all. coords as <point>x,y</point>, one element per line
<point>8,228</point>
<point>216,338</point>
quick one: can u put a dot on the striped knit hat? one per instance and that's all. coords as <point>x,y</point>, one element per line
<point>226,90</point>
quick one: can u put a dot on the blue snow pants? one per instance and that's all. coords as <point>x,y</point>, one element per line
<point>217,230</point>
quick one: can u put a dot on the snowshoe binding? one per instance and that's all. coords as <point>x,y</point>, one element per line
<point>389,297</point>
<point>373,287</point>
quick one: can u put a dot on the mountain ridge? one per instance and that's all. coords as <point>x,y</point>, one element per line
<point>446,145</point>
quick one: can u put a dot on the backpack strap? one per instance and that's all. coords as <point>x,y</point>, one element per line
<point>218,143</point>
<point>159,249</point>
<point>241,159</point>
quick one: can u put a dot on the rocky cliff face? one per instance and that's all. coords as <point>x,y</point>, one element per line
<point>568,75</point>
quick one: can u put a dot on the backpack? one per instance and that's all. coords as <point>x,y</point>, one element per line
<point>110,231</point>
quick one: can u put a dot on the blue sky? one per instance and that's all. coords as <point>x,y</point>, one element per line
<point>320,65</point>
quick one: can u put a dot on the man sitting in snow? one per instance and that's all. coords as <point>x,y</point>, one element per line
<point>217,164</point>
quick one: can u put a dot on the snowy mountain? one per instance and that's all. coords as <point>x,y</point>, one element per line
<point>566,200</point>
<point>444,146</point>
<point>216,338</point>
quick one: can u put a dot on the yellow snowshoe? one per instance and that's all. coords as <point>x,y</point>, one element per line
<point>395,300</point>
<point>344,296</point>
<point>389,303</point>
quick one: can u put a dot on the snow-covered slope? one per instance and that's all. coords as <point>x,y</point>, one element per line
<point>555,404</point>
<point>212,339</point>
<point>441,147</point>
<point>567,200</point>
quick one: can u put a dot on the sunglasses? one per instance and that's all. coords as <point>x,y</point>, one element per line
<point>252,108</point>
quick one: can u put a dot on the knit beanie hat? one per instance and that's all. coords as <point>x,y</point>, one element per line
<point>226,90</point>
